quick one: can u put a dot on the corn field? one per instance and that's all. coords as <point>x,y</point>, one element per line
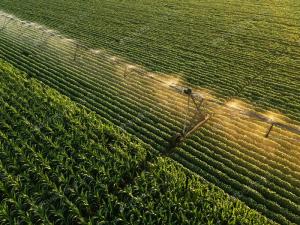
<point>242,53</point>
<point>60,164</point>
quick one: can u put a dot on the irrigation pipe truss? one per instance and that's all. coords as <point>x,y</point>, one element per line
<point>132,70</point>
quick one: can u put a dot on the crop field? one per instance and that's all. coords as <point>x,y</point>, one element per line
<point>223,47</point>
<point>244,55</point>
<point>61,165</point>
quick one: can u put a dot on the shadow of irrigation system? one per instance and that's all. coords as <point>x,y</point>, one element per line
<point>196,113</point>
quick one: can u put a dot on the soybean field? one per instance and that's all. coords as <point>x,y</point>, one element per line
<point>119,59</point>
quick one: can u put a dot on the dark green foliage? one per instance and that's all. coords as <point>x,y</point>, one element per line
<point>59,164</point>
<point>241,49</point>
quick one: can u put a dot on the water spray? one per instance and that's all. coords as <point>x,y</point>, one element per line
<point>191,124</point>
<point>78,48</point>
<point>7,21</point>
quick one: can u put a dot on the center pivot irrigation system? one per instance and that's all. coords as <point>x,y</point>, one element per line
<point>201,116</point>
<point>190,125</point>
<point>195,117</point>
<point>200,111</point>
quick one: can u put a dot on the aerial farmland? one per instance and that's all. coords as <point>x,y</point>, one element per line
<point>149,112</point>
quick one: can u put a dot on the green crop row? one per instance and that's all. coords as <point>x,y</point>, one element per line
<point>199,40</point>
<point>60,165</point>
<point>79,82</point>
<point>67,163</point>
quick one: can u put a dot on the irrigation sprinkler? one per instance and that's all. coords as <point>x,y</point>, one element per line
<point>24,26</point>
<point>126,71</point>
<point>130,69</point>
<point>45,38</point>
<point>45,41</point>
<point>78,48</point>
<point>200,117</point>
<point>7,21</point>
<point>190,124</point>
<point>273,123</point>
<point>40,36</point>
